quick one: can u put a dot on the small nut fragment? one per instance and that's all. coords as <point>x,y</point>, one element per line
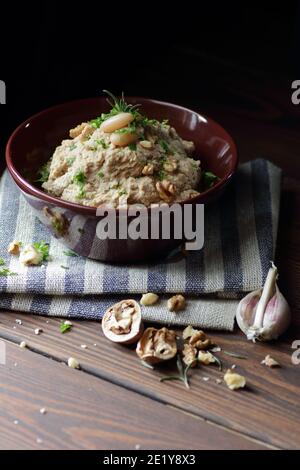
<point>87,131</point>
<point>122,322</point>
<point>170,165</point>
<point>188,332</point>
<point>270,362</point>
<point>73,363</point>
<point>149,299</point>
<point>30,256</point>
<point>234,381</point>
<point>166,190</point>
<point>200,341</point>
<point>205,357</point>
<point>148,169</point>
<point>189,355</point>
<point>14,248</point>
<point>146,144</point>
<point>157,345</point>
<point>176,303</point>
<point>77,130</point>
<point>23,345</point>
<point>38,331</point>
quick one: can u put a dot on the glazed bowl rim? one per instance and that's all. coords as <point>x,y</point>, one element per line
<point>32,190</point>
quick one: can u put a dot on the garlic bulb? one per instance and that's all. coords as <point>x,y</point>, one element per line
<point>264,314</point>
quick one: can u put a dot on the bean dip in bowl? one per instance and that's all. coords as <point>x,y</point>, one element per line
<point>76,158</point>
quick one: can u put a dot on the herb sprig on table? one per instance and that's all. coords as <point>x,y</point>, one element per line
<point>65,327</point>
<point>70,253</point>
<point>182,373</point>
<point>43,248</point>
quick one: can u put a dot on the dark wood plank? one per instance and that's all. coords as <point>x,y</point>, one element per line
<point>84,412</point>
<point>268,410</point>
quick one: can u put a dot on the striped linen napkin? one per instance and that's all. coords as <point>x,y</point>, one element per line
<point>240,239</point>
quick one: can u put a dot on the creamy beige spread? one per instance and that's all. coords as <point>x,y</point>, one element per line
<point>143,162</point>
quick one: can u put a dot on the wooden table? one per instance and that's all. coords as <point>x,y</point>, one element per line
<point>115,403</point>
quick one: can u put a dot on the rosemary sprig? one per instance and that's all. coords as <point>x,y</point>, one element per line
<point>70,253</point>
<point>233,354</point>
<point>148,366</point>
<point>218,361</point>
<point>182,373</point>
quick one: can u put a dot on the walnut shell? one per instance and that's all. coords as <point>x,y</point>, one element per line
<point>122,322</point>
<point>157,345</point>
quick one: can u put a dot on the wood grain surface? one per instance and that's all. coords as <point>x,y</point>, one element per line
<point>84,412</point>
<point>268,406</point>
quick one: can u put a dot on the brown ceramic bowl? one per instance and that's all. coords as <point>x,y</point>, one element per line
<point>34,141</point>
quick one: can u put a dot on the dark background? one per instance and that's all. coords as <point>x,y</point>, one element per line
<point>219,57</point>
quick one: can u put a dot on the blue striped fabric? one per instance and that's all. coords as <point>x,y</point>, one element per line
<point>239,245</point>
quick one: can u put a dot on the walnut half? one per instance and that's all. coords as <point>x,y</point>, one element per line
<point>122,323</point>
<point>199,340</point>
<point>157,345</point>
<point>166,190</point>
<point>176,303</point>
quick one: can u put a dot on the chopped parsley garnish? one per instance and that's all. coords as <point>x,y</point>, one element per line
<point>80,179</point>
<point>122,192</point>
<point>208,179</point>
<point>132,146</point>
<point>161,175</point>
<point>43,173</point>
<point>148,122</point>
<point>81,230</point>
<point>100,174</point>
<point>64,327</point>
<point>70,253</point>
<point>70,160</point>
<point>195,166</point>
<point>6,272</point>
<point>72,147</point>
<point>131,129</point>
<point>164,145</point>
<point>163,159</point>
<point>102,142</point>
<point>116,186</point>
<point>43,248</point>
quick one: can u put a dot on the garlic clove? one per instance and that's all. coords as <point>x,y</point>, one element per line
<point>264,314</point>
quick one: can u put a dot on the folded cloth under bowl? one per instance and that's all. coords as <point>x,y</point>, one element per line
<point>240,239</point>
